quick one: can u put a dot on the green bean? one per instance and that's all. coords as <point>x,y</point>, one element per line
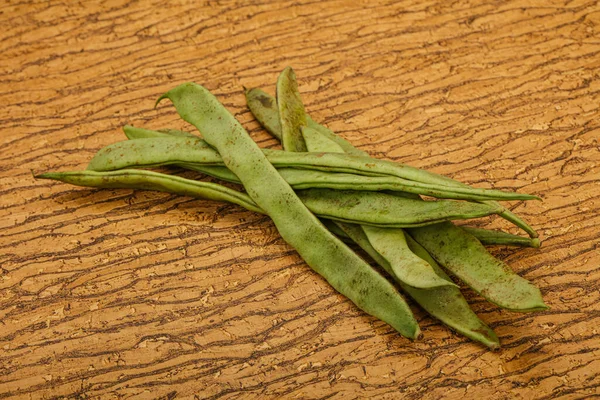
<point>449,305</point>
<point>148,180</point>
<point>316,142</point>
<point>486,236</point>
<point>517,221</point>
<point>327,255</point>
<point>134,133</point>
<point>297,178</point>
<point>463,255</point>
<point>188,151</point>
<point>390,211</point>
<point>291,111</point>
<point>376,211</point>
<point>404,265</point>
<point>263,107</point>
<point>445,303</point>
<point>260,104</point>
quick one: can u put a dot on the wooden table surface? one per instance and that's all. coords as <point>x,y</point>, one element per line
<point>135,294</point>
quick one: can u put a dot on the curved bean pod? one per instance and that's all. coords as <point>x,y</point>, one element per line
<point>389,210</point>
<point>148,180</point>
<point>327,255</point>
<point>464,256</point>
<point>404,265</point>
<point>264,108</point>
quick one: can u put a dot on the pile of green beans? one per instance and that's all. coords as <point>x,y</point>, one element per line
<point>321,193</point>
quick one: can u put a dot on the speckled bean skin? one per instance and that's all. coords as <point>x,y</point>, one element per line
<point>464,256</point>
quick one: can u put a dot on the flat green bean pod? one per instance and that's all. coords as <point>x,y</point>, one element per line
<point>291,111</point>
<point>264,108</point>
<point>488,237</point>
<point>464,256</point>
<point>445,303</point>
<point>148,180</point>
<point>375,213</point>
<point>391,211</point>
<point>189,151</point>
<point>300,178</point>
<point>409,269</point>
<point>261,106</point>
<point>326,254</point>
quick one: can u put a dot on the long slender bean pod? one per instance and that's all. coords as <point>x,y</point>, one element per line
<point>374,212</point>
<point>263,107</point>
<point>390,210</point>
<point>291,111</point>
<point>326,254</point>
<point>148,180</point>
<point>179,151</point>
<point>404,265</point>
<point>488,237</point>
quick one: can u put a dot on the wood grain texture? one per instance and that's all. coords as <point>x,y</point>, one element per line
<point>131,294</point>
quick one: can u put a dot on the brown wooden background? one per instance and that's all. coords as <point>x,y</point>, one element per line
<point>131,294</point>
